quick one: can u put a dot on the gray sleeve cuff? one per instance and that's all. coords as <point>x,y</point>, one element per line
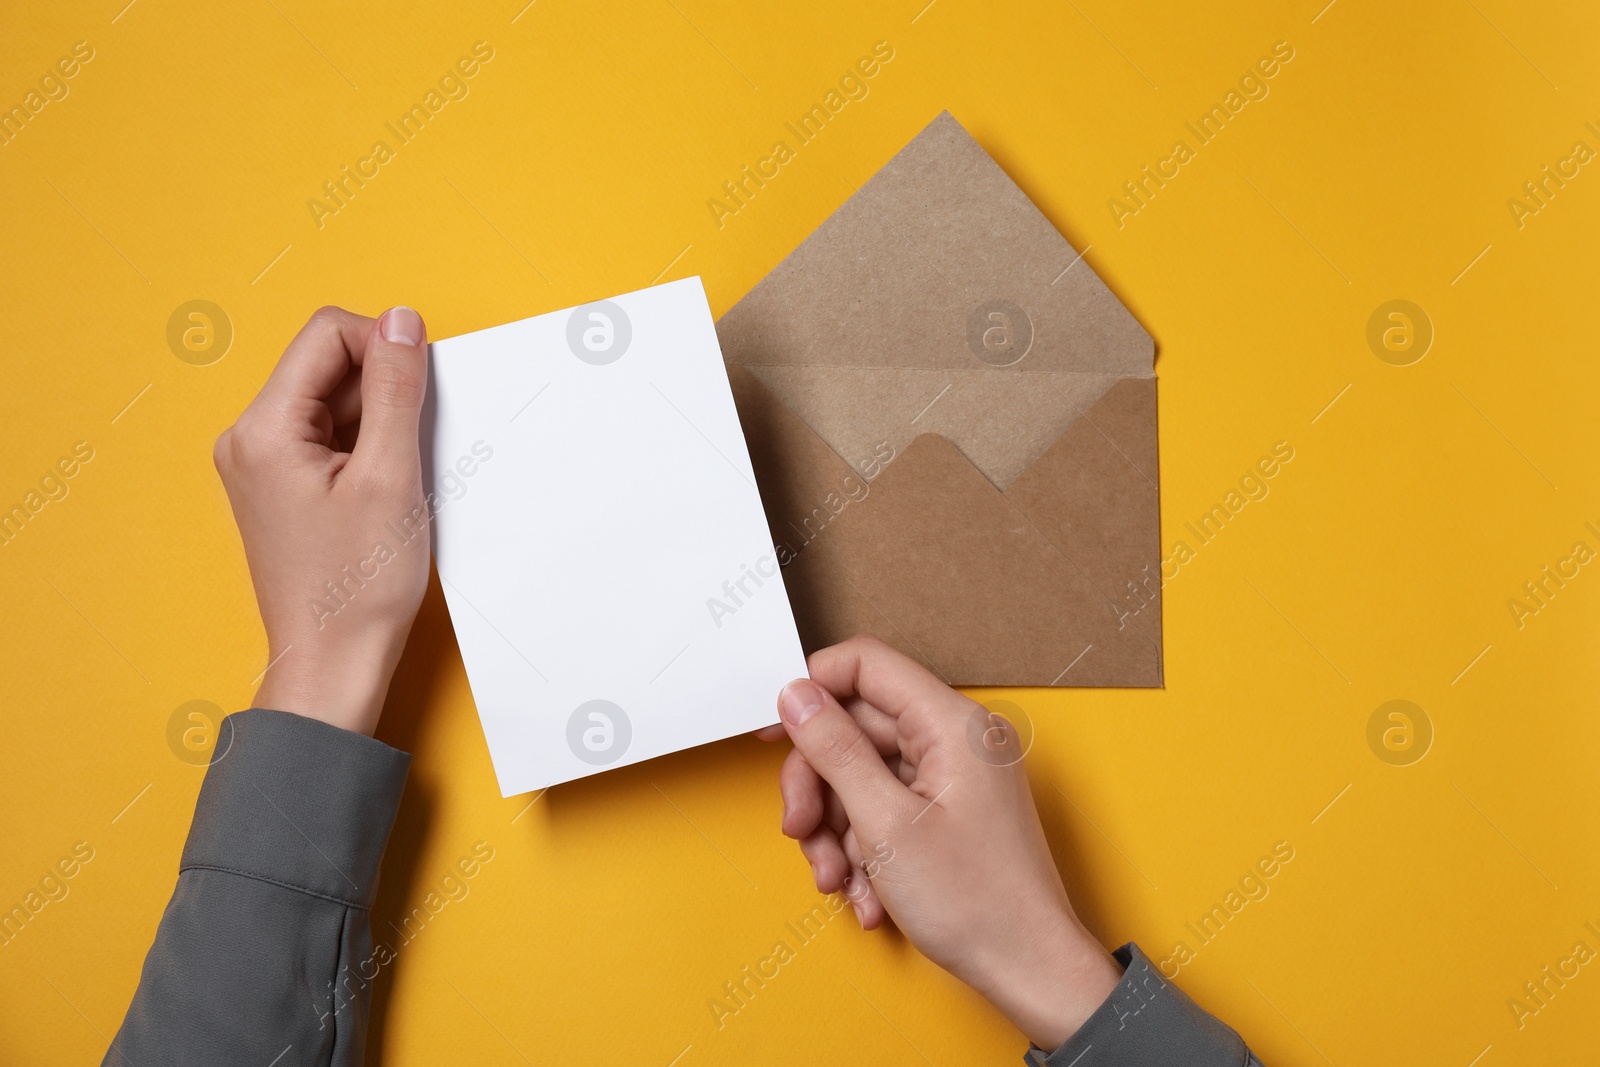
<point>298,803</point>
<point>1147,1022</point>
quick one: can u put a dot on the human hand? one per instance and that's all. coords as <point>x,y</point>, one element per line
<point>324,474</point>
<point>903,788</point>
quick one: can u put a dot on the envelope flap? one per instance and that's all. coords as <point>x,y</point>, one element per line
<point>939,261</point>
<point>1000,422</point>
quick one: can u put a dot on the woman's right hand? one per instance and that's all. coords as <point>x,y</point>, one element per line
<point>922,791</point>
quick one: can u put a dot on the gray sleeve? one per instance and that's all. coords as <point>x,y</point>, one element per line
<point>260,956</point>
<point>1147,1022</point>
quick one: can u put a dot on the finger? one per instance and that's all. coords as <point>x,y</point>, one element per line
<point>802,789</point>
<point>834,817</point>
<point>394,381</point>
<point>837,749</point>
<point>331,342</point>
<point>878,726</point>
<point>345,438</point>
<point>891,682</point>
<point>904,770</point>
<point>829,867</point>
<point>923,709</point>
<point>344,403</point>
<point>858,888</point>
<point>883,729</point>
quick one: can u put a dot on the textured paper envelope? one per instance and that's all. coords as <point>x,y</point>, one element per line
<point>600,539</point>
<point>953,425</point>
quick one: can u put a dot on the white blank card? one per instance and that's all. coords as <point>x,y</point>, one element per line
<point>595,504</point>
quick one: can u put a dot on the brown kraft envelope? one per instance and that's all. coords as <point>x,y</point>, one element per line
<point>953,426</point>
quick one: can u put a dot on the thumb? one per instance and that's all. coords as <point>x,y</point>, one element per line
<point>838,749</point>
<point>394,381</point>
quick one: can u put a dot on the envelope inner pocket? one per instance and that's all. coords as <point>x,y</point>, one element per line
<point>984,596</point>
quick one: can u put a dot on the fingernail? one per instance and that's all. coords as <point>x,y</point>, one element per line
<point>860,918</point>
<point>816,875</point>
<point>401,325</point>
<point>799,701</point>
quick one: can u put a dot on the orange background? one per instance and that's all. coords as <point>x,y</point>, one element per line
<point>1420,499</point>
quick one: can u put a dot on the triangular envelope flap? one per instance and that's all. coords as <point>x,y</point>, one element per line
<point>939,261</point>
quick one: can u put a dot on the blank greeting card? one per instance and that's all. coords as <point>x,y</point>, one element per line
<point>600,539</point>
